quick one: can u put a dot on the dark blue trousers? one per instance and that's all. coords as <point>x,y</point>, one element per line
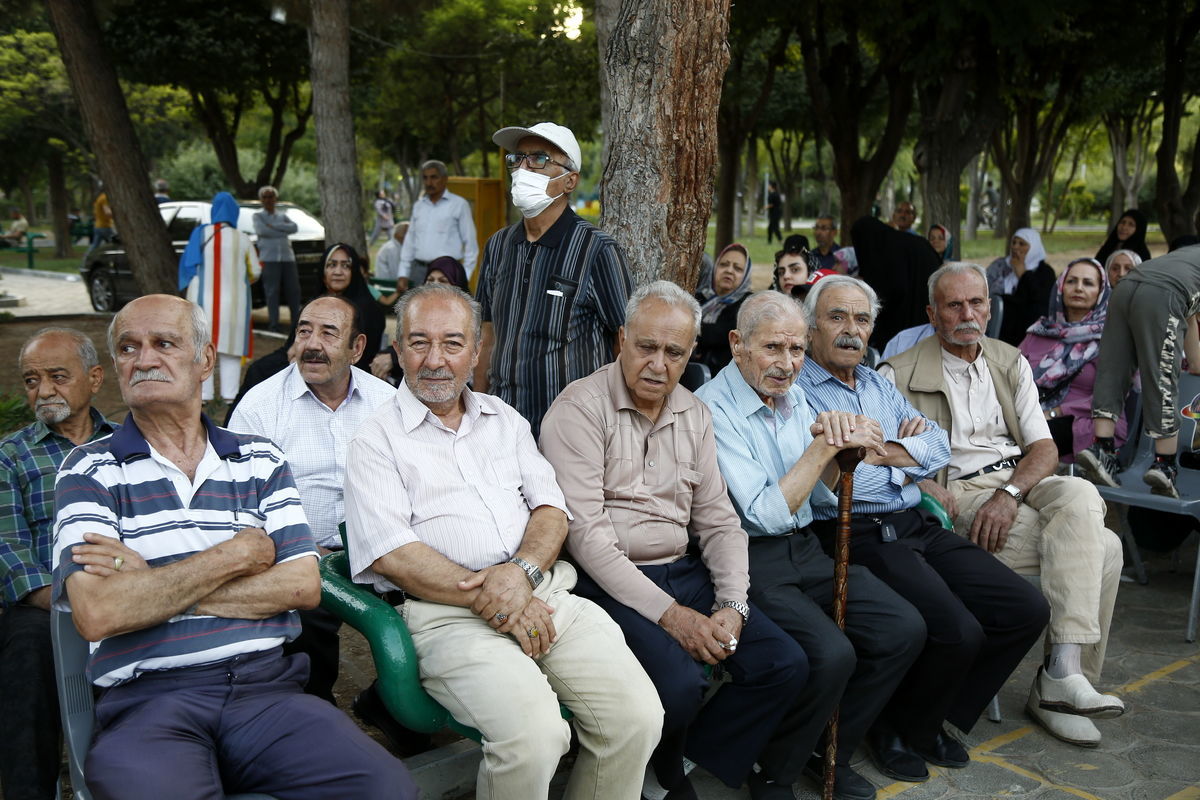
<point>726,735</point>
<point>238,726</point>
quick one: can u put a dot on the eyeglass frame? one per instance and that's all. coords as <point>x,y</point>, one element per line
<point>517,158</point>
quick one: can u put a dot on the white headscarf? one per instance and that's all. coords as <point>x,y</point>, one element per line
<point>1037,252</point>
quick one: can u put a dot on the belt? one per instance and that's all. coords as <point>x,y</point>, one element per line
<point>1007,463</point>
<point>396,597</point>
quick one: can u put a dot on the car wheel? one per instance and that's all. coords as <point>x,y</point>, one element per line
<point>101,290</point>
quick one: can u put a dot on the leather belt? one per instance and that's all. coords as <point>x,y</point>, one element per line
<point>1007,463</point>
<point>396,597</point>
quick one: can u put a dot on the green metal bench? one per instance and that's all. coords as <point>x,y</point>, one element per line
<point>28,248</point>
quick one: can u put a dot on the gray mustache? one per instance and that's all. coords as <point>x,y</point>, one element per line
<point>152,374</point>
<point>845,340</point>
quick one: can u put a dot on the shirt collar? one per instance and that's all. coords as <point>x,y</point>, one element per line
<point>961,366</point>
<point>39,431</point>
<point>556,232</point>
<point>747,402</point>
<point>677,402</point>
<point>413,412</point>
<point>296,387</point>
<point>128,442</point>
<point>813,374</point>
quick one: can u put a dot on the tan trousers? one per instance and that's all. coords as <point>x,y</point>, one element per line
<point>1059,533</point>
<point>484,680</point>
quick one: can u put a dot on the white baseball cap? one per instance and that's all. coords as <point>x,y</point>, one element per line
<point>559,136</point>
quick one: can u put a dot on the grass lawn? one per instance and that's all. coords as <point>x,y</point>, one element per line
<point>43,258</point>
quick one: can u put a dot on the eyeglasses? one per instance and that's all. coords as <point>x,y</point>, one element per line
<point>535,160</point>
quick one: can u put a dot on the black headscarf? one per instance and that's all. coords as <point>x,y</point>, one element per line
<point>454,272</point>
<point>897,266</point>
<point>374,320</point>
<point>1136,242</point>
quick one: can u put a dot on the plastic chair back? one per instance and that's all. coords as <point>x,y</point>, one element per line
<point>695,375</point>
<point>997,319</point>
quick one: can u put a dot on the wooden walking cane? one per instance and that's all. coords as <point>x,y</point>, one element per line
<point>847,460</point>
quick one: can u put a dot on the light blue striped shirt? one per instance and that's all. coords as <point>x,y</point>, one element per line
<point>878,489</point>
<point>756,446</point>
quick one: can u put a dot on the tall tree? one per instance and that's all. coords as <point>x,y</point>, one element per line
<point>337,157</point>
<point>115,144</point>
<point>859,67</point>
<point>1176,204</point>
<point>663,62</point>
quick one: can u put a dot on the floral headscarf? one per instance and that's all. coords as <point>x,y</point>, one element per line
<point>1078,342</point>
<point>715,303</point>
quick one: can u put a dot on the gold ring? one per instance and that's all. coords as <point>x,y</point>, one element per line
<point>118,562</point>
<point>533,633</point>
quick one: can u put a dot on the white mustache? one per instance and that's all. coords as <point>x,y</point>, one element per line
<point>44,403</point>
<point>435,374</point>
<point>775,372</point>
<point>152,374</point>
<point>848,341</point>
<point>968,326</point>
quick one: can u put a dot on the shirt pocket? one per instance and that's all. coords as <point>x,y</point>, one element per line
<point>557,301</point>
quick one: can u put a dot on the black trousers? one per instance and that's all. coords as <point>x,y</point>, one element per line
<point>728,733</point>
<point>791,580</point>
<point>981,617</point>
<point>31,746</point>
<point>319,640</point>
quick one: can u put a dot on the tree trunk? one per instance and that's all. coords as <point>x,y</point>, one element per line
<point>115,145</point>
<point>1176,206</point>
<point>663,61</point>
<point>337,157</point>
<point>975,181</point>
<point>753,186</point>
<point>57,183</point>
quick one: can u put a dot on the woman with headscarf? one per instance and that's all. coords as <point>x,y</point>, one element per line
<point>1063,345</point>
<point>1120,264</point>
<point>897,266</point>
<point>343,276</point>
<point>719,305</point>
<point>217,267</point>
<point>447,269</point>
<point>1129,234</point>
<point>942,242</point>
<point>1025,281</point>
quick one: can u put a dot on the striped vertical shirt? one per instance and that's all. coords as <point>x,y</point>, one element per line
<point>29,461</point>
<point>878,489</point>
<point>555,305</point>
<point>121,487</point>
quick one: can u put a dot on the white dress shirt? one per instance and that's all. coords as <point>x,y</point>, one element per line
<point>467,494</point>
<point>444,228</point>
<point>313,436</point>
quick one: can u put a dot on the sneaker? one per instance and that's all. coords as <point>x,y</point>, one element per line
<point>1161,479</point>
<point>1099,465</point>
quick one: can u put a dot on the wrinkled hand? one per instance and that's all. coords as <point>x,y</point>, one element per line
<point>253,549</point>
<point>534,617</point>
<point>503,589</point>
<point>702,637</point>
<point>993,520</point>
<point>941,494</point>
<point>844,430</point>
<point>381,364</point>
<point>911,427</point>
<point>99,554</point>
<point>729,621</point>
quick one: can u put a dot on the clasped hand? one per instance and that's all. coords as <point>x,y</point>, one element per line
<point>504,590</point>
<point>704,638</point>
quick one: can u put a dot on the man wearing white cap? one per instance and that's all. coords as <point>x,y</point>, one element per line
<point>552,287</point>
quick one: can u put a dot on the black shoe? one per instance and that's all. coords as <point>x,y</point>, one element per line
<point>946,752</point>
<point>369,708</point>
<point>763,789</point>
<point>1161,479</point>
<point>847,784</point>
<point>894,758</point>
<point>1099,465</point>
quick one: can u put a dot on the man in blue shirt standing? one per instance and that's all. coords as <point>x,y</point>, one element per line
<point>981,617</point>
<point>775,468</point>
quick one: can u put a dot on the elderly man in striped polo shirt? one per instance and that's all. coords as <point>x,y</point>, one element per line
<point>183,551</point>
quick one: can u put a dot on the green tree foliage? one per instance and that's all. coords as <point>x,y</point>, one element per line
<point>227,57</point>
<point>463,68</point>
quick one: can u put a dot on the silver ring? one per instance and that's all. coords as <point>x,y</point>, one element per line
<point>502,617</point>
<point>118,562</point>
<point>732,645</point>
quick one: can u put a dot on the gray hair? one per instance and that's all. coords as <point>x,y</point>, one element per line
<point>198,322</point>
<point>435,164</point>
<point>667,292</point>
<point>83,344</point>
<point>830,218</point>
<point>268,188</point>
<point>439,290</point>
<point>831,282</point>
<point>956,268</point>
<point>764,306</point>
<point>1134,258</point>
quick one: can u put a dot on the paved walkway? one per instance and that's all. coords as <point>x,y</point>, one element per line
<point>44,292</point>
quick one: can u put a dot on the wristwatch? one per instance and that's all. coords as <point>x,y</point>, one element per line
<point>741,608</point>
<point>1012,490</point>
<point>531,572</point>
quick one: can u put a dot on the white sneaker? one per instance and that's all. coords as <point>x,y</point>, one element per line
<point>1071,728</point>
<point>1075,695</point>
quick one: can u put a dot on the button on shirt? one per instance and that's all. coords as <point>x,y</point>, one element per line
<point>29,461</point>
<point>979,436</point>
<point>756,446</point>
<point>467,494</point>
<point>637,489</point>
<point>555,304</point>
<point>444,228</point>
<point>313,436</point>
<point>878,489</point>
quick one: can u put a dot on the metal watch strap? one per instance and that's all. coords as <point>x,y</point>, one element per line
<point>1012,491</point>
<point>531,572</point>
<point>741,608</point>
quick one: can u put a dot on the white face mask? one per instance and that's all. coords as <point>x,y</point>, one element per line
<point>529,192</point>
